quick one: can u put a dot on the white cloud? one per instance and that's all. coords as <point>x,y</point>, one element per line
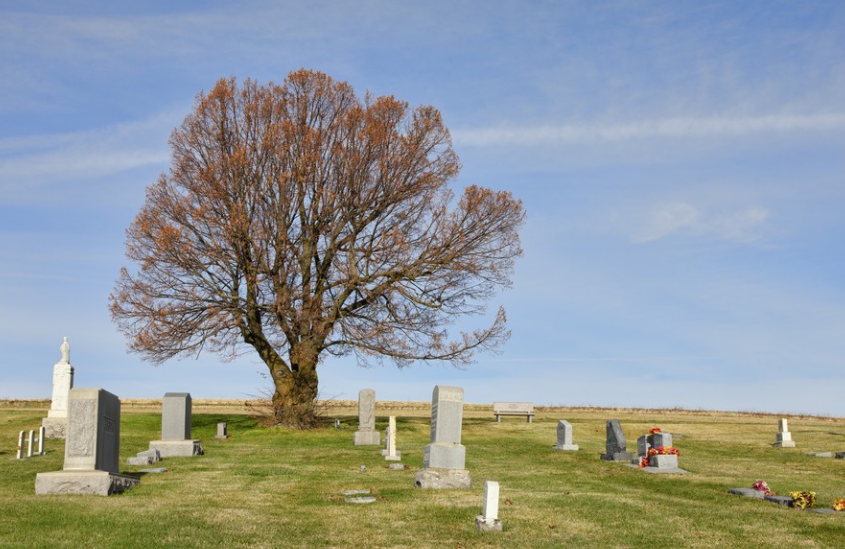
<point>681,218</point>
<point>681,127</point>
<point>29,162</point>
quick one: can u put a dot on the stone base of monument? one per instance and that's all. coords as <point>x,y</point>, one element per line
<point>366,438</point>
<point>662,461</point>
<point>55,427</point>
<point>95,483</point>
<point>784,444</point>
<point>618,456</point>
<point>568,447</point>
<point>444,455</point>
<point>488,525</point>
<point>177,448</point>
<point>395,457</point>
<point>147,457</point>
<point>443,479</point>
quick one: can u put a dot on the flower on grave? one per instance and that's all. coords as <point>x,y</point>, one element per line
<point>655,430</point>
<point>762,486</point>
<point>643,461</point>
<point>803,500</point>
<point>839,504</point>
<point>664,451</point>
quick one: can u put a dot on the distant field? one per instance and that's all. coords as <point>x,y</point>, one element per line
<point>273,488</point>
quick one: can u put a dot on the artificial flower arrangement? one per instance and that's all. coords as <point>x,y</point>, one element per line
<point>655,430</point>
<point>803,500</point>
<point>762,486</point>
<point>839,504</point>
<point>662,451</point>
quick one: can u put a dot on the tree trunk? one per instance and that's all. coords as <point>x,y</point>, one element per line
<point>296,393</point>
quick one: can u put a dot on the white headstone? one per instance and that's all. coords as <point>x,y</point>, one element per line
<point>21,437</point>
<point>488,520</point>
<point>392,454</point>
<point>56,420</point>
<point>784,437</point>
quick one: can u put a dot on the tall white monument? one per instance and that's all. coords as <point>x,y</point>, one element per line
<point>55,423</point>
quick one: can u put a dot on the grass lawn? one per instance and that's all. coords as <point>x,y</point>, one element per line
<point>272,488</point>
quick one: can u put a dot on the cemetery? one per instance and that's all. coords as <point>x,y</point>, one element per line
<point>273,487</point>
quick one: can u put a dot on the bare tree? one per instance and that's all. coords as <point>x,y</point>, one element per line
<point>301,220</point>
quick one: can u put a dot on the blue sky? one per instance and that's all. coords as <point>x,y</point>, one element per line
<point>681,164</point>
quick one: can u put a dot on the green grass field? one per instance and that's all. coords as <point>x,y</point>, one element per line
<point>272,488</point>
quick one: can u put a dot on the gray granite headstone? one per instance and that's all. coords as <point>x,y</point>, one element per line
<point>93,441</point>
<point>366,435</point>
<point>176,438</point>
<point>564,436</point>
<point>444,458</point>
<point>661,439</point>
<point>92,448</point>
<point>176,416</point>
<point>616,447</point>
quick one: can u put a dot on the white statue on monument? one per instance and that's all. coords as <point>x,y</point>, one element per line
<point>56,420</point>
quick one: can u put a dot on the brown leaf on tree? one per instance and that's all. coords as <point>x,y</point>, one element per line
<point>300,220</point>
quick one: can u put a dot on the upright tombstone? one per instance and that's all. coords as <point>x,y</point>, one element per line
<point>92,449</point>
<point>444,458</point>
<point>616,447</point>
<point>366,435</point>
<point>661,439</point>
<point>784,437</point>
<point>488,520</point>
<point>222,430</point>
<point>176,438</point>
<point>55,424</point>
<point>392,454</point>
<point>564,436</point>
<point>643,446</point>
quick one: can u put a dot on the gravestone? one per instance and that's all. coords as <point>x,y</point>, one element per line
<point>92,448</point>
<point>147,457</point>
<point>564,436</point>
<point>392,454</point>
<point>616,447</point>
<point>488,520</point>
<point>784,437</point>
<point>643,445</point>
<point>366,435</point>
<point>661,439</point>
<point>444,458</point>
<point>222,431</point>
<point>176,438</point>
<point>55,423</point>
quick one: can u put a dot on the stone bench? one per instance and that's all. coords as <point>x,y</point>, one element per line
<point>513,409</point>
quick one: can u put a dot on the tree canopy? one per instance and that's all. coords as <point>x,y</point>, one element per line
<point>299,220</point>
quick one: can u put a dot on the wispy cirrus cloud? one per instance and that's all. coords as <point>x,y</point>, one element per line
<point>679,127</point>
<point>743,225</point>
<point>27,163</point>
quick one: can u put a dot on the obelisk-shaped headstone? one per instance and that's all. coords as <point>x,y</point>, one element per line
<point>55,424</point>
